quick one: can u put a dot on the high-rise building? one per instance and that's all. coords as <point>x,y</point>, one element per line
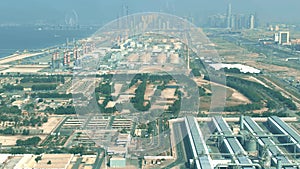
<point>217,21</point>
<point>284,38</point>
<point>239,22</point>
<point>233,22</point>
<point>251,22</point>
<point>229,15</point>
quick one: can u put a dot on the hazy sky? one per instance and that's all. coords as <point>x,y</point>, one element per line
<point>102,11</point>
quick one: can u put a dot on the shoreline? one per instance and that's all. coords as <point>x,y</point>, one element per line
<point>16,57</point>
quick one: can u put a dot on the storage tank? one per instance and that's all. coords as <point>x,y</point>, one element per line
<point>244,136</point>
<point>250,145</point>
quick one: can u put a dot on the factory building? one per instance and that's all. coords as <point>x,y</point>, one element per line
<point>198,146</point>
<point>291,138</point>
<point>243,143</point>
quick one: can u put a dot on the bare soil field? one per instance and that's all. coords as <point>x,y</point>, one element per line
<point>53,121</point>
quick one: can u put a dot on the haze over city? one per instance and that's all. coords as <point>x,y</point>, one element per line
<point>100,11</point>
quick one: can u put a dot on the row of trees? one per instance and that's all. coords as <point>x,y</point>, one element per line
<point>10,110</point>
<point>257,94</point>
<point>28,142</point>
<point>7,131</point>
<point>151,78</point>
<point>50,79</point>
<point>105,90</point>
<point>65,110</point>
<point>9,87</point>
<point>44,87</point>
<point>38,151</point>
<point>33,121</point>
<point>138,101</point>
<point>57,95</point>
<point>51,95</point>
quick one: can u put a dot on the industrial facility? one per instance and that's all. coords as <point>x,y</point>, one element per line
<point>240,143</point>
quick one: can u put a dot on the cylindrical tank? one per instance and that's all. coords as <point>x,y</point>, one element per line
<point>244,134</point>
<point>250,145</point>
<point>242,140</point>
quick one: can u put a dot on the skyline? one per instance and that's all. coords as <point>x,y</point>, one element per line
<point>98,12</point>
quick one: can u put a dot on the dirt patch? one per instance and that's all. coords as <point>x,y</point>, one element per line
<point>254,79</point>
<point>149,92</point>
<point>238,96</point>
<point>51,124</point>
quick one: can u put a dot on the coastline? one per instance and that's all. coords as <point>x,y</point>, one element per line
<point>16,57</point>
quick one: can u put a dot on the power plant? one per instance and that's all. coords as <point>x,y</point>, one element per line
<point>246,143</point>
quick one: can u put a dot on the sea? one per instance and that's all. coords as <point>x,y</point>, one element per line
<point>19,38</point>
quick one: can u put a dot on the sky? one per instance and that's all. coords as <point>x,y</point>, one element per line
<point>103,11</point>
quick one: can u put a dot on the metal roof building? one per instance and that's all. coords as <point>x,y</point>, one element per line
<point>264,140</point>
<point>279,126</point>
<point>232,144</point>
<point>199,148</point>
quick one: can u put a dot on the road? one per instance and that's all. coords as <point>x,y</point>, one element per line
<point>99,160</point>
<point>180,151</point>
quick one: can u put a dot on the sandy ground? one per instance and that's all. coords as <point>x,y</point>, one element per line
<point>17,57</point>
<point>117,88</point>
<point>169,93</point>
<point>238,96</point>
<point>11,140</point>
<point>133,58</point>
<point>133,88</point>
<point>174,58</point>
<point>235,94</point>
<point>51,124</point>
<point>22,70</point>
<point>285,71</point>
<point>251,78</point>
<point>149,91</point>
<point>145,58</point>
<point>162,58</point>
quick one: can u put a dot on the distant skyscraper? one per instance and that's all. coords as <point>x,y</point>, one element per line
<point>251,21</point>
<point>229,14</point>
<point>217,21</point>
<point>233,22</point>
